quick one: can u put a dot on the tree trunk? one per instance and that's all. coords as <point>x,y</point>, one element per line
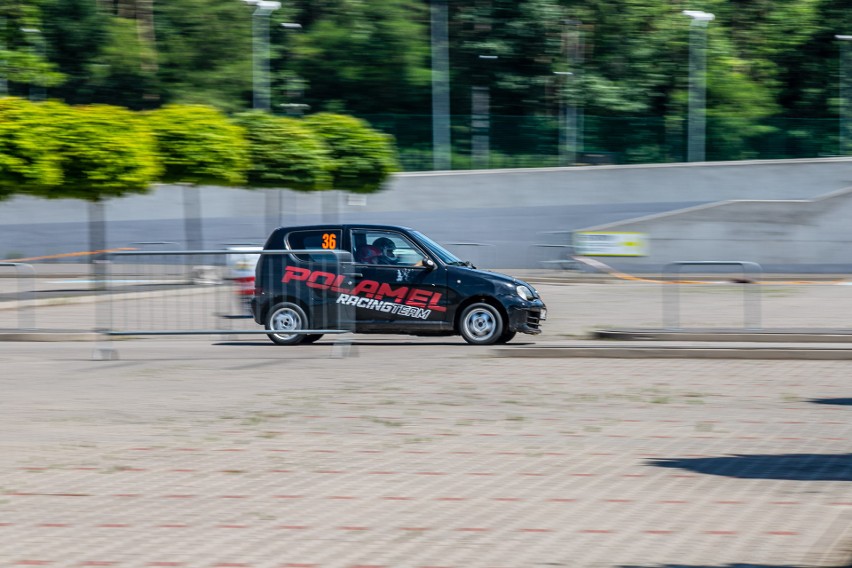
<point>97,243</point>
<point>274,209</point>
<point>192,216</point>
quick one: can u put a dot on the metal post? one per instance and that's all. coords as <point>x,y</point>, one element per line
<point>36,91</point>
<point>441,150</point>
<point>4,82</point>
<point>480,125</point>
<point>697,83</point>
<point>260,42</point>
<point>569,112</point>
<point>567,155</point>
<point>844,129</point>
<point>291,107</point>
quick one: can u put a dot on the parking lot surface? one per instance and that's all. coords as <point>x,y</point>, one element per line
<point>403,452</point>
<point>415,453</point>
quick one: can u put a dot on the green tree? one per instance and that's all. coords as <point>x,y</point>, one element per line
<point>24,49</point>
<point>364,57</point>
<point>204,52</point>
<point>105,152</point>
<point>29,157</point>
<point>284,153</point>
<point>363,157</point>
<point>198,145</point>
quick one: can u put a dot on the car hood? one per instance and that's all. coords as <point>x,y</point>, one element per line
<point>488,276</point>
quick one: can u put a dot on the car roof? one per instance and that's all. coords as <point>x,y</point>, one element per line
<point>342,226</point>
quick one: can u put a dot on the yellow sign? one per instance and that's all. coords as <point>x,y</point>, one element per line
<point>604,243</point>
<point>329,241</point>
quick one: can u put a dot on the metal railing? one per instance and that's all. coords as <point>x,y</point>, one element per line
<point>482,255</point>
<point>751,291</point>
<point>25,295</point>
<point>148,293</point>
<point>556,256</point>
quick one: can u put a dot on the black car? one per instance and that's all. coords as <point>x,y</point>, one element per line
<point>383,279</point>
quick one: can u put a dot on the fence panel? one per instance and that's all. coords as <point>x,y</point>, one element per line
<point>192,293</point>
<point>751,291</point>
<point>21,313</point>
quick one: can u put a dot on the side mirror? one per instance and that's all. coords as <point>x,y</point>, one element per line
<point>429,264</point>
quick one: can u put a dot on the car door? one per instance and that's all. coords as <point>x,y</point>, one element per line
<point>404,293</point>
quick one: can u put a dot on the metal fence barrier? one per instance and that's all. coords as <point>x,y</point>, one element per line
<point>25,295</point>
<point>161,293</point>
<point>481,255</point>
<point>751,291</point>
<point>555,256</point>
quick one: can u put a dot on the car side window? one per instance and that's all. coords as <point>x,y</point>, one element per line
<point>320,240</point>
<point>385,248</point>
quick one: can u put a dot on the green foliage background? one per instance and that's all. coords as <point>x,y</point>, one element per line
<point>198,144</point>
<point>284,152</point>
<point>773,86</point>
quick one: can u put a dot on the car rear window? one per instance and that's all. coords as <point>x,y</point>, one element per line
<point>318,239</point>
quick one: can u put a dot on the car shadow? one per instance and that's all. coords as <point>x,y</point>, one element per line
<point>798,467</point>
<point>714,566</point>
<point>361,343</point>
<point>840,401</point>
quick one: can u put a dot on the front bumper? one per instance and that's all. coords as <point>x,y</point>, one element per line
<point>527,318</point>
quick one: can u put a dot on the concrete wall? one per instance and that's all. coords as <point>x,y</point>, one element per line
<point>706,182</point>
<point>511,211</point>
<point>781,235</point>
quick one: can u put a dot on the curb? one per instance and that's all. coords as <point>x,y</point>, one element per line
<point>48,336</point>
<point>735,335</point>
<point>825,353</point>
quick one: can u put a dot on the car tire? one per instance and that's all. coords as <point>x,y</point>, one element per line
<point>481,324</point>
<point>506,337</point>
<point>287,316</point>
<point>312,338</point>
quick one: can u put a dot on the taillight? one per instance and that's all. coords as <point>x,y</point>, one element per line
<point>245,285</point>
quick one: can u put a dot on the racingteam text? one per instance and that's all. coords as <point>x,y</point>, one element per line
<point>370,294</point>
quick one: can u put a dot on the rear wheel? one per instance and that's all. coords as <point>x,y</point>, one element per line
<point>481,324</point>
<point>313,338</point>
<point>287,316</point>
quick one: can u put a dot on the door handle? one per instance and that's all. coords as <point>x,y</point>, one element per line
<point>355,274</point>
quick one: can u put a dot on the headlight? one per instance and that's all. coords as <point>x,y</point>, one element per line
<point>525,293</point>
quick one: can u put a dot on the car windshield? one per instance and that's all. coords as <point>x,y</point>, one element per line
<point>446,256</point>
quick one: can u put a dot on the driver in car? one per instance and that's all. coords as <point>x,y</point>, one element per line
<point>380,252</point>
<point>386,250</point>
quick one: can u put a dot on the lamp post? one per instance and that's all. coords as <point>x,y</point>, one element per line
<point>260,67</point>
<point>844,114</point>
<point>441,152</point>
<point>4,83</point>
<point>697,83</point>
<point>570,113</point>
<point>480,123</point>
<point>292,108</point>
<point>36,91</point>
<point>567,131</point>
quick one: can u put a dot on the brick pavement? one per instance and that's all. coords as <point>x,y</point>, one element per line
<point>417,453</point>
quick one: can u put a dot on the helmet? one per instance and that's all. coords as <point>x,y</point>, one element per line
<point>386,246</point>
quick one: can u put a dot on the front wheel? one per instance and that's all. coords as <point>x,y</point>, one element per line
<point>481,324</point>
<point>506,337</point>
<point>286,317</point>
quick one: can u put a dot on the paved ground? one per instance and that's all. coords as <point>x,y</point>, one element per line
<point>420,453</point>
